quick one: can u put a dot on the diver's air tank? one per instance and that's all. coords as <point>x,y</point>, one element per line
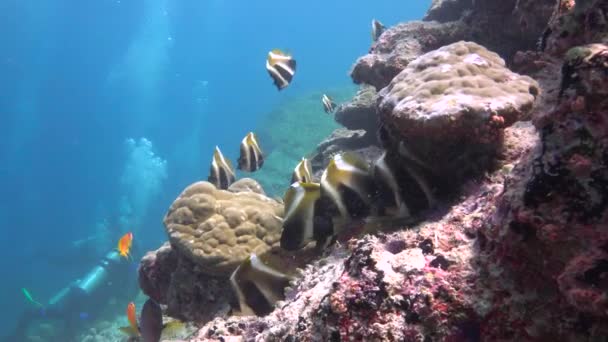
<point>98,276</point>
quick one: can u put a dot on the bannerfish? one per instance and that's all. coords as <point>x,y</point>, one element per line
<point>422,183</point>
<point>257,286</point>
<point>377,29</point>
<point>347,182</point>
<point>251,157</point>
<point>221,173</point>
<point>328,104</point>
<point>281,68</point>
<point>132,329</point>
<point>124,245</point>
<point>389,199</point>
<point>308,217</point>
<point>151,321</point>
<point>302,172</point>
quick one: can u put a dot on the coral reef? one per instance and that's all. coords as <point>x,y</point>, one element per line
<point>520,252</point>
<point>502,26</point>
<point>549,236</point>
<point>211,232</point>
<point>339,141</point>
<point>401,44</point>
<point>360,112</point>
<point>444,113</point>
<point>447,10</point>
<point>415,284</point>
<point>189,293</point>
<point>219,229</point>
<point>576,23</point>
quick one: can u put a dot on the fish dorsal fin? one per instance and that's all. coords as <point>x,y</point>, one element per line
<point>221,160</point>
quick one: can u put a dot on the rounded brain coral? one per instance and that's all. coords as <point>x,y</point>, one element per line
<point>218,229</point>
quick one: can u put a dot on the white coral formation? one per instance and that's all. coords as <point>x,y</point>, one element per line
<point>459,81</point>
<point>218,229</point>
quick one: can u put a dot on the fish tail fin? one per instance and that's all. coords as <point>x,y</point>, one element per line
<point>128,330</point>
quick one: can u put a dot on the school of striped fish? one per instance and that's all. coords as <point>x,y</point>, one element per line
<point>350,192</point>
<point>316,210</point>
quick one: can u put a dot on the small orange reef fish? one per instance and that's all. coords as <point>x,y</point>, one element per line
<point>124,245</point>
<point>132,329</point>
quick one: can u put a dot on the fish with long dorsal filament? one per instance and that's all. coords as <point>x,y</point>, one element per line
<point>221,173</point>
<point>281,67</point>
<point>257,286</point>
<point>251,157</point>
<point>328,104</point>
<point>305,218</point>
<point>389,200</point>
<point>302,172</point>
<point>347,182</point>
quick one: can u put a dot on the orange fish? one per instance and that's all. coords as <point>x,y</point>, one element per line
<point>132,329</point>
<point>132,316</point>
<point>124,245</point>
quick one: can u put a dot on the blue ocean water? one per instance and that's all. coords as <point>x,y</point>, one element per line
<point>109,108</point>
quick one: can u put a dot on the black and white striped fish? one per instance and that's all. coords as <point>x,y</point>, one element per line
<point>257,286</point>
<point>348,183</point>
<point>281,68</point>
<point>302,172</point>
<point>251,157</point>
<point>221,173</point>
<point>304,220</point>
<point>328,104</point>
<point>389,198</point>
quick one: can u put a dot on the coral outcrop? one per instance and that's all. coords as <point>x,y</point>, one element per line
<point>360,112</point>
<point>521,253</point>
<point>550,234</point>
<point>190,294</point>
<point>400,45</point>
<point>447,10</point>
<point>502,26</point>
<point>419,283</point>
<point>339,141</point>
<point>575,23</point>
<point>445,112</point>
<point>219,229</point>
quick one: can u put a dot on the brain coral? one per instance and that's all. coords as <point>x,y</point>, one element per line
<point>218,229</point>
